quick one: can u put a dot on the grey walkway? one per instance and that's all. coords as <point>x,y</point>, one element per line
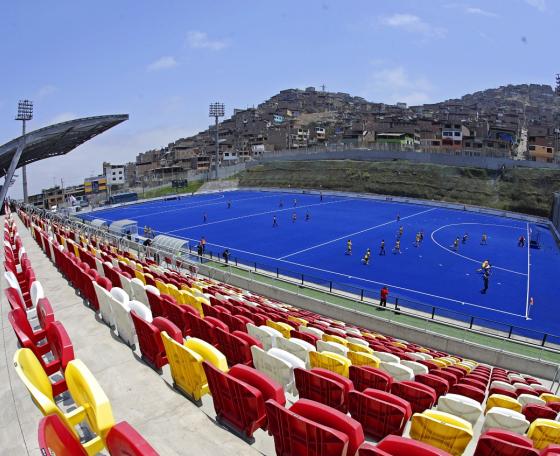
<point>172,424</point>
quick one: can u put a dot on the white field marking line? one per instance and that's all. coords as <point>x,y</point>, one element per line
<point>241,217</point>
<point>355,277</point>
<point>196,206</point>
<point>184,204</point>
<point>347,236</point>
<point>469,258</point>
<point>528,270</point>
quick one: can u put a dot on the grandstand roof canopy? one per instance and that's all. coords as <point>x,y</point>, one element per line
<point>57,139</point>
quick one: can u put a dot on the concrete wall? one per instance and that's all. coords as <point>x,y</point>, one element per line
<point>459,158</point>
<point>430,339</point>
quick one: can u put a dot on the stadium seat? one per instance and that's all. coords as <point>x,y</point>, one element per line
<point>505,418</point>
<point>394,445</point>
<point>185,362</point>
<point>138,291</point>
<point>316,332</point>
<point>123,322</point>
<point>279,365</point>
<point>236,346</point>
<point>398,371</point>
<point>55,439</point>
<point>149,339</point>
<point>468,391</point>
<point>498,442</point>
<point>330,361</point>
<point>442,430</point>
<point>363,359</point>
<point>387,357</point>
<point>544,432</point>
<point>296,347</point>
<point>308,428</point>
<point>60,346</point>
<point>461,406</point>
<point>417,368</point>
<point>124,440</point>
<point>380,413</point>
<point>45,314</point>
<point>265,334</point>
<point>334,347</point>
<point>324,386</point>
<point>239,397</point>
<point>369,377</point>
<point>499,400</point>
<point>282,328</point>
<point>419,396</point>
<point>534,411</point>
<point>42,391</point>
<point>104,300</point>
<point>87,394</point>
<point>525,399</point>
<point>440,385</point>
<point>549,397</point>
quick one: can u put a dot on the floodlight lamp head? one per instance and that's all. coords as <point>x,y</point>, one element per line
<point>25,110</point>
<point>217,110</point>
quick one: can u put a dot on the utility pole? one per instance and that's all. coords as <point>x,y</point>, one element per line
<point>25,113</point>
<point>217,110</point>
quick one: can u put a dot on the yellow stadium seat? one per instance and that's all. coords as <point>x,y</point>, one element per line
<point>87,393</point>
<point>363,359</point>
<point>280,326</point>
<point>547,397</point>
<point>162,287</point>
<point>423,350</point>
<point>37,382</point>
<point>440,363</point>
<point>331,361</point>
<point>442,430</point>
<point>500,400</point>
<point>298,321</point>
<point>185,362</point>
<point>139,267</point>
<point>399,344</point>
<point>544,432</point>
<point>197,304</point>
<point>140,275</point>
<point>337,339</point>
<point>359,348</point>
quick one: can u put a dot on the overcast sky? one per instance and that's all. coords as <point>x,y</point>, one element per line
<point>164,62</point>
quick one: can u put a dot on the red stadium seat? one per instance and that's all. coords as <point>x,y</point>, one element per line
<point>439,384</point>
<point>503,391</point>
<point>534,411</point>
<point>324,386</point>
<point>123,440</point>
<point>451,378</point>
<point>307,337</point>
<point>149,339</point>
<point>526,390</point>
<point>380,413</point>
<point>394,445</point>
<point>45,314</point>
<point>236,346</point>
<point>60,345</point>
<point>239,397</point>
<point>55,439</point>
<point>177,314</point>
<point>499,442</point>
<point>474,382</point>
<point>469,391</point>
<point>551,450</point>
<point>419,395</point>
<point>364,377</point>
<point>308,428</point>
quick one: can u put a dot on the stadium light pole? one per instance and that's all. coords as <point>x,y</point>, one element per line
<point>24,113</point>
<point>217,111</point>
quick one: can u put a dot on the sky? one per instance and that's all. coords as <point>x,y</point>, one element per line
<point>164,62</point>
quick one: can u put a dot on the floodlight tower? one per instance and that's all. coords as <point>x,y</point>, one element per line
<point>24,113</point>
<point>557,83</point>
<point>217,111</point>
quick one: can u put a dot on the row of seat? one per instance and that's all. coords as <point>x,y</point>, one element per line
<point>78,418</point>
<point>325,360</point>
